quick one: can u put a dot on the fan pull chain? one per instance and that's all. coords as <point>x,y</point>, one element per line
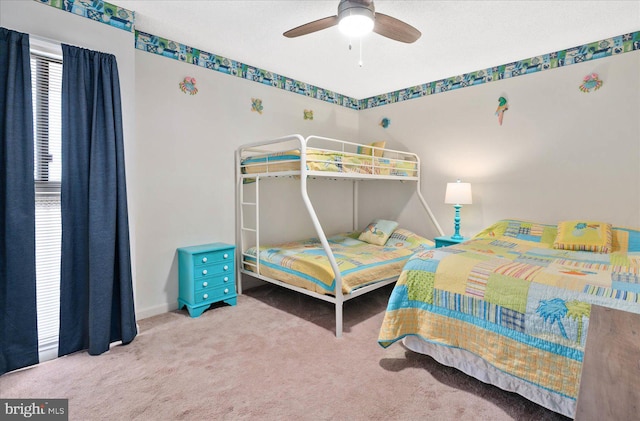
<point>360,63</point>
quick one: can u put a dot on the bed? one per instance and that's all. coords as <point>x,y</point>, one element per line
<point>304,263</point>
<point>334,269</point>
<point>332,161</point>
<point>511,306</point>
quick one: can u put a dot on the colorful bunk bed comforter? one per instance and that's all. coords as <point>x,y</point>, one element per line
<point>305,264</point>
<point>331,161</point>
<point>512,299</point>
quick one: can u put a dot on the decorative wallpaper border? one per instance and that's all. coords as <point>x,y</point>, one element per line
<point>592,51</point>
<point>121,18</point>
<point>97,10</point>
<point>177,51</point>
<point>599,49</point>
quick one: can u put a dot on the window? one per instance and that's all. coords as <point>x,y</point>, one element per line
<point>46,80</point>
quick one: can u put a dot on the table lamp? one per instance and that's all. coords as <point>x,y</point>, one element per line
<point>458,194</point>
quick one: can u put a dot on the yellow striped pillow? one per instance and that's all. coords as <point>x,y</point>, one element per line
<point>584,236</point>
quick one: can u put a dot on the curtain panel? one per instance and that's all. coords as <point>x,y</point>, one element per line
<point>96,293</point>
<point>18,323</point>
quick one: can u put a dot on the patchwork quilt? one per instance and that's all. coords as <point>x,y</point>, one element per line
<point>332,161</point>
<point>305,264</point>
<point>509,297</point>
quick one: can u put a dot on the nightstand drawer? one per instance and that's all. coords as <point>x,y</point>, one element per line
<point>212,257</point>
<point>214,281</point>
<point>215,294</point>
<point>214,269</point>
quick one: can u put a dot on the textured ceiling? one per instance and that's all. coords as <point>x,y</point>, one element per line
<point>457,36</point>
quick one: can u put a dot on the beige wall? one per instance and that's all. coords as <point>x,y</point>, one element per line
<point>185,190</point>
<point>560,153</point>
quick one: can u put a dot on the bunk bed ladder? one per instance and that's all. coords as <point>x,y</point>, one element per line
<point>244,229</point>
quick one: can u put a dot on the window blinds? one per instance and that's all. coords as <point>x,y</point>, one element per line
<point>46,80</point>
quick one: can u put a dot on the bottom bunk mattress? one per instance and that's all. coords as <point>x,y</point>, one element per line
<point>305,264</point>
<point>510,302</point>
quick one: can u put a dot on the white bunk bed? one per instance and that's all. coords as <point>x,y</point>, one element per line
<point>304,159</point>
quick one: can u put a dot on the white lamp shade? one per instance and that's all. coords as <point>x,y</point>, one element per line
<point>458,194</point>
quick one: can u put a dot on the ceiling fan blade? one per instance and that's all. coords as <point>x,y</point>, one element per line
<point>395,29</point>
<point>316,25</point>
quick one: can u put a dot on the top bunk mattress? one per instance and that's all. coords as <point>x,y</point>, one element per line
<point>305,264</point>
<point>329,161</point>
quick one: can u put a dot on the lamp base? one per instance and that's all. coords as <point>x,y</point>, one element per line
<point>456,235</point>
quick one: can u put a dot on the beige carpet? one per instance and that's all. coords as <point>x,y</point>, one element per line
<point>272,357</point>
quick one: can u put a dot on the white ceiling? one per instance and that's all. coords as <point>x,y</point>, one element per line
<point>457,36</point>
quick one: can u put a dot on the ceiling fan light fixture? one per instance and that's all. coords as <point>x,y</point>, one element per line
<point>356,22</point>
<point>356,18</point>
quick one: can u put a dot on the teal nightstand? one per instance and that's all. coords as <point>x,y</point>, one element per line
<point>447,241</point>
<point>206,275</point>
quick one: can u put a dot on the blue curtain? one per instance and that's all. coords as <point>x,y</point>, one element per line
<point>96,293</point>
<point>18,325</point>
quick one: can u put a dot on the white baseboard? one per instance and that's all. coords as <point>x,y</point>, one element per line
<point>248,282</point>
<point>154,311</point>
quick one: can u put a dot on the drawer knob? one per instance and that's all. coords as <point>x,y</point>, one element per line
<point>204,260</point>
<point>225,267</point>
<point>205,296</point>
<point>226,279</point>
<point>204,272</point>
<point>226,256</point>
<point>226,290</point>
<point>204,284</point>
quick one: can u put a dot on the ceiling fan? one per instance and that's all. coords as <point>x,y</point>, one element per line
<point>358,17</point>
